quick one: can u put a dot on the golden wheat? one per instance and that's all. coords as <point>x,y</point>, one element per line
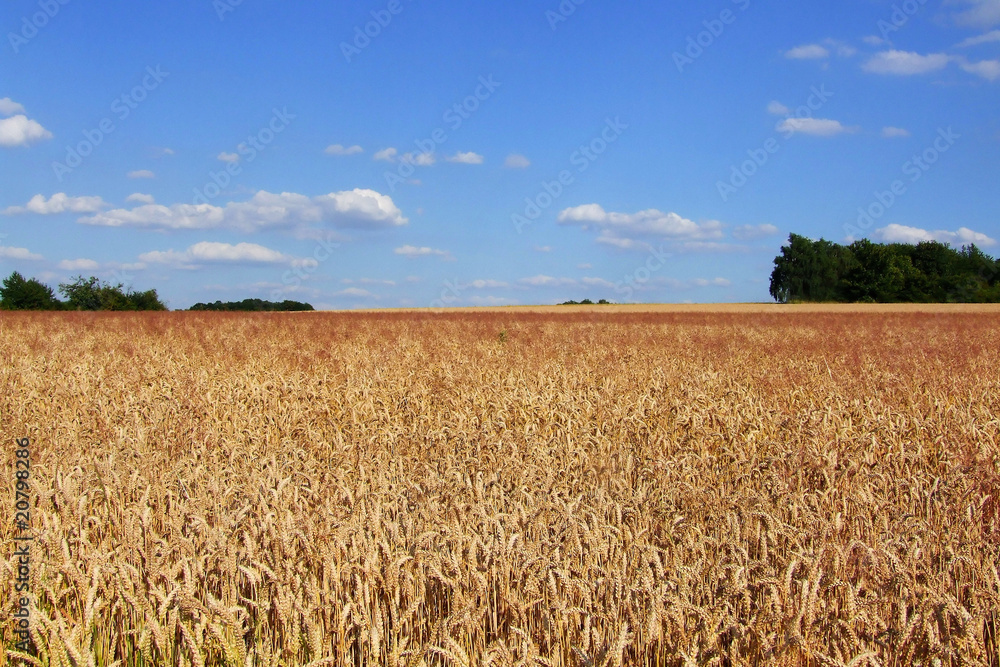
<point>589,488</point>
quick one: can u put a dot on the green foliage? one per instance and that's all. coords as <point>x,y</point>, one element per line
<point>254,305</point>
<point>82,294</point>
<point>867,272</point>
<point>586,302</point>
<point>20,294</point>
<point>91,294</point>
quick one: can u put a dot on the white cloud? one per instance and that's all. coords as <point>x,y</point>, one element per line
<point>547,281</point>
<point>20,130</point>
<point>369,281</point>
<point>9,252</point>
<point>351,208</point>
<point>598,282</point>
<point>873,40</point>
<point>386,155</point>
<point>902,234</point>
<point>895,133</point>
<point>57,203</point>
<point>79,265</point>
<point>616,228</point>
<point>714,282</point>
<point>141,173</point>
<point>753,232</point>
<point>988,69</point>
<point>231,158</point>
<point>141,198</point>
<point>413,251</point>
<point>214,253</point>
<point>355,292</point>
<point>778,109</point>
<point>982,14</point>
<point>817,127</point>
<point>466,158</point>
<point>516,161</point>
<point>486,284</point>
<point>992,36</point>
<point>338,149</point>
<point>584,266</point>
<point>808,52</point>
<point>9,107</point>
<point>906,63</point>
<point>420,159</point>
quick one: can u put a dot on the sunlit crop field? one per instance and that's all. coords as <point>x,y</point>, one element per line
<point>560,487</point>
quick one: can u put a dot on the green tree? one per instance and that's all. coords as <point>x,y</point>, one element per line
<point>20,294</point>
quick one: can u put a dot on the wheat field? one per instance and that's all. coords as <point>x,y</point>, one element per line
<point>506,488</point>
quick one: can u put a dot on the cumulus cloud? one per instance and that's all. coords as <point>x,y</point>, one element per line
<point>209,252</point>
<point>466,158</point>
<point>338,149</point>
<point>992,36</point>
<point>419,159</point>
<point>141,198</point>
<point>413,252</point>
<point>902,234</point>
<point>988,69</point>
<point>753,232</point>
<point>295,212</point>
<point>617,229</point>
<point>20,130</point>
<point>895,133</point>
<point>906,63</point>
<point>873,40</point>
<point>231,158</point>
<point>817,127</point>
<point>516,161</point>
<point>486,284</point>
<point>10,252</point>
<point>57,203</point>
<point>141,173</point>
<point>79,265</point>
<point>808,52</point>
<point>9,107</point>
<point>981,14</point>
<point>386,155</point>
<point>355,292</point>
<point>778,109</point>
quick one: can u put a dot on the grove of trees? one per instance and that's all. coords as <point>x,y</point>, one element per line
<point>18,293</point>
<point>864,271</point>
<point>253,305</point>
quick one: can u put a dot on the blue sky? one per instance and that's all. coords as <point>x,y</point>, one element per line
<point>394,153</point>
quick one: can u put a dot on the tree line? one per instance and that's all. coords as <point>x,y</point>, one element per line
<point>18,293</point>
<point>868,272</point>
<point>254,306</point>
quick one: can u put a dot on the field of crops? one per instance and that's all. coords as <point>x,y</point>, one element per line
<point>576,487</point>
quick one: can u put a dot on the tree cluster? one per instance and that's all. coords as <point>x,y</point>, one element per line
<point>586,302</point>
<point>18,293</point>
<point>867,272</point>
<point>254,306</point>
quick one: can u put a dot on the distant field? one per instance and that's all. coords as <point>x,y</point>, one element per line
<point>615,485</point>
<point>786,309</point>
